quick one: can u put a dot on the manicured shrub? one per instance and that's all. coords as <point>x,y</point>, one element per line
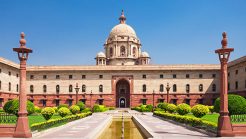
<point>47,112</point>
<point>162,106</point>
<point>86,110</point>
<point>81,105</point>
<point>193,121</point>
<point>211,109</point>
<point>236,105</point>
<point>52,122</point>
<point>37,109</point>
<point>56,109</point>
<point>137,108</point>
<point>63,111</point>
<point>111,108</point>
<point>12,107</point>
<point>75,109</point>
<point>99,108</point>
<point>158,109</point>
<point>183,109</point>
<point>62,105</point>
<point>1,110</point>
<point>149,108</point>
<point>171,108</point>
<point>199,110</point>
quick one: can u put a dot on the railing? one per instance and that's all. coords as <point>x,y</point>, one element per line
<point>238,118</point>
<point>6,118</point>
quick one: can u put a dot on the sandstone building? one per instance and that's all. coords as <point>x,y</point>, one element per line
<point>122,77</point>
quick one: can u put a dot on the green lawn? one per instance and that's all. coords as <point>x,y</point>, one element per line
<point>209,117</point>
<point>39,118</point>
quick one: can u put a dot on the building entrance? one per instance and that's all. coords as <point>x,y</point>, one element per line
<point>122,94</point>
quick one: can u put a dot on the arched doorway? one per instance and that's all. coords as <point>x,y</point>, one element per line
<point>122,94</point>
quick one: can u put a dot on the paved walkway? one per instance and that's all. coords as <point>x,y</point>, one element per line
<point>85,128</point>
<point>163,129</point>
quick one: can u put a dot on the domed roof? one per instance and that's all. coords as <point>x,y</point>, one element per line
<point>122,29</point>
<point>144,54</point>
<point>101,54</point>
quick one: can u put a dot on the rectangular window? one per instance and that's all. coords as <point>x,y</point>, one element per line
<point>200,75</point>
<point>57,76</point>
<point>100,76</point>
<point>187,101</point>
<point>236,85</point>
<point>144,76</point>
<point>1,70</point>
<point>57,103</point>
<point>174,76</point>
<point>70,102</point>
<point>228,74</point>
<point>144,101</point>
<point>161,76</point>
<point>160,100</point>
<point>44,103</point>
<point>83,100</point>
<point>174,101</point>
<point>187,75</point>
<point>9,73</point>
<point>100,101</point>
<point>31,76</point>
<point>70,76</point>
<point>236,72</point>
<point>44,76</point>
<point>200,101</point>
<point>83,76</point>
<point>214,75</point>
<point>17,75</point>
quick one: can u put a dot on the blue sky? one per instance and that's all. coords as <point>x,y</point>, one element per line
<point>71,32</point>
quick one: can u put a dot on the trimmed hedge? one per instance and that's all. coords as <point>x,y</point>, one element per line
<point>53,122</point>
<point>99,108</point>
<point>81,105</point>
<point>199,110</point>
<point>144,108</point>
<point>183,109</point>
<point>192,121</point>
<point>236,104</point>
<point>86,110</point>
<point>37,109</point>
<point>47,112</point>
<point>64,112</point>
<point>75,109</point>
<point>171,108</point>
<point>12,107</point>
<point>162,106</point>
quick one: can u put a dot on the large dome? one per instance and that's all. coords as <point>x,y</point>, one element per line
<point>122,30</point>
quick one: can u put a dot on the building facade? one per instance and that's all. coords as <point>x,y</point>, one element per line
<point>122,77</point>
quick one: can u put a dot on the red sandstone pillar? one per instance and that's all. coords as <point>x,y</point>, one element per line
<point>22,128</point>
<point>224,123</point>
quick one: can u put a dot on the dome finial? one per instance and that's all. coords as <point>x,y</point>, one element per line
<point>22,40</point>
<point>224,40</point>
<point>122,18</point>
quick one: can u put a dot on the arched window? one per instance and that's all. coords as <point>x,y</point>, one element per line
<point>187,88</point>
<point>174,88</point>
<point>144,88</point>
<point>44,88</point>
<point>111,51</point>
<point>200,88</point>
<point>70,88</point>
<point>214,87</point>
<point>57,89</point>
<point>100,88</point>
<point>0,85</point>
<point>83,88</point>
<point>122,51</point>
<point>9,86</point>
<point>161,88</point>
<point>31,88</point>
<point>17,88</point>
<point>134,51</point>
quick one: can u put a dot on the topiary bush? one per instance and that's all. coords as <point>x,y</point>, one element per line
<point>111,108</point>
<point>199,110</point>
<point>86,110</point>
<point>74,109</point>
<point>171,108</point>
<point>47,112</point>
<point>183,109</point>
<point>37,109</point>
<point>99,108</point>
<point>63,111</point>
<point>211,109</point>
<point>236,104</point>
<point>12,107</point>
<point>162,106</point>
<point>56,109</point>
<point>62,105</point>
<point>81,105</point>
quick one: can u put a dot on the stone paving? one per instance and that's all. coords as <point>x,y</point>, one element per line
<point>85,128</point>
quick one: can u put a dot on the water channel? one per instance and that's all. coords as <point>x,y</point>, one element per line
<point>122,126</point>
